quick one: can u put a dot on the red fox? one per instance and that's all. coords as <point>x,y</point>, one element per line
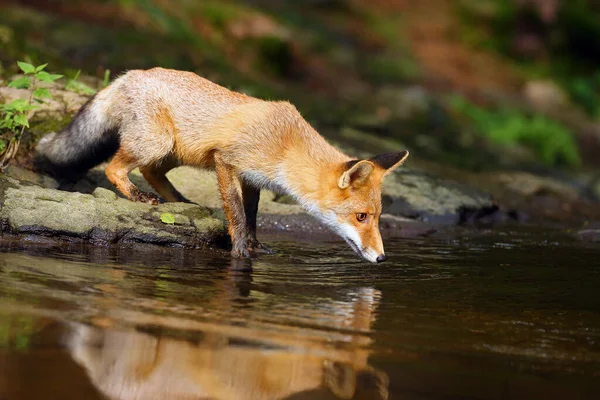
<point>159,119</point>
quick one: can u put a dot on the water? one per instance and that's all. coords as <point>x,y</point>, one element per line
<point>480,315</point>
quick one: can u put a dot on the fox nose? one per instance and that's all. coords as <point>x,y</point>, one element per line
<point>381,258</point>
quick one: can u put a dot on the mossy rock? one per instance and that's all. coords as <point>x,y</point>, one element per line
<point>26,208</point>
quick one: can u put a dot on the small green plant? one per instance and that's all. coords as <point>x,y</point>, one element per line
<point>14,116</point>
<point>167,218</point>
<point>79,87</point>
<point>552,142</point>
<point>585,91</point>
<point>106,80</point>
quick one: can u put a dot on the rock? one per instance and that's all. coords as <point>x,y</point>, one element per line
<point>393,226</point>
<point>415,195</point>
<point>528,185</point>
<point>30,176</point>
<point>284,199</point>
<point>589,235</point>
<point>101,193</point>
<point>405,102</point>
<point>412,202</point>
<point>103,218</point>
<point>407,193</point>
<point>366,142</point>
<point>255,25</point>
<point>545,96</point>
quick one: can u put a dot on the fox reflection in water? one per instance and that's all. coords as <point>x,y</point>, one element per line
<point>139,365</point>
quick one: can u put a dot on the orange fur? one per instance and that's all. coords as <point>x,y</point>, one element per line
<point>118,170</point>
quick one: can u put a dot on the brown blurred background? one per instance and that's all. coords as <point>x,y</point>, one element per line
<point>476,84</point>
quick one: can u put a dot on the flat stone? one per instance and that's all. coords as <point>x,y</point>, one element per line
<point>102,218</point>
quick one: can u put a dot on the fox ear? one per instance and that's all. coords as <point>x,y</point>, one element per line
<point>357,173</point>
<point>389,161</point>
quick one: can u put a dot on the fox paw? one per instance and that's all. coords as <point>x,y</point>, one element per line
<point>240,252</point>
<point>148,198</point>
<point>257,247</point>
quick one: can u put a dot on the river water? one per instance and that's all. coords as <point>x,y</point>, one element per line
<point>503,314</point>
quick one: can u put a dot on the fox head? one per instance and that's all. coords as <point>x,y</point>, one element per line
<point>351,204</point>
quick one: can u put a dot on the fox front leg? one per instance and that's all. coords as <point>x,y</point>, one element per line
<point>230,187</point>
<point>251,197</point>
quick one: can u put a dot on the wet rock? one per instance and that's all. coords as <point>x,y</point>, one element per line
<point>103,218</point>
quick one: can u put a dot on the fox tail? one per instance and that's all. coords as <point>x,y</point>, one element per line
<point>91,138</point>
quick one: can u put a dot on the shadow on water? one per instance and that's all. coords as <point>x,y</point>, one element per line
<point>497,315</point>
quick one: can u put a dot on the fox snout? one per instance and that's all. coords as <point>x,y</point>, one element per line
<point>368,245</point>
<point>373,256</point>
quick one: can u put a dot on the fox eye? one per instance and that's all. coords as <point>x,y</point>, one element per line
<point>360,217</point>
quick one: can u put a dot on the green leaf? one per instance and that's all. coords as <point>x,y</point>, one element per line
<point>26,67</point>
<point>46,77</point>
<point>42,93</point>
<point>79,87</point>
<point>43,76</point>
<point>21,119</point>
<point>40,67</point>
<point>106,80</point>
<point>167,218</point>
<point>20,83</point>
<point>2,145</point>
<point>16,105</point>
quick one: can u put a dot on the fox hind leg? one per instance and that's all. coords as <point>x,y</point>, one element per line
<point>251,197</point>
<point>155,174</point>
<point>143,142</point>
<point>117,173</point>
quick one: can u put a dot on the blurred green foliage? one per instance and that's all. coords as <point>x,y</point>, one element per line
<point>552,142</point>
<point>585,91</point>
<point>394,64</point>
<point>335,60</point>
<point>550,41</point>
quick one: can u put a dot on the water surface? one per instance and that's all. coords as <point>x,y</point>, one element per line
<point>479,315</point>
